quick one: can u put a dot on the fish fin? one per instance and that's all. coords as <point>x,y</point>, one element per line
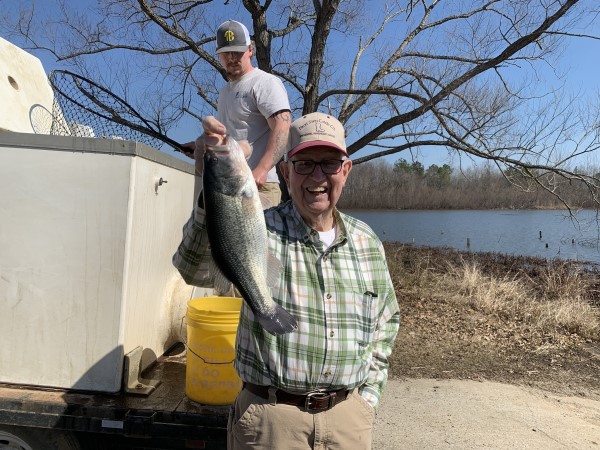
<point>222,285</point>
<point>246,148</point>
<point>274,268</point>
<point>279,323</point>
<point>248,193</point>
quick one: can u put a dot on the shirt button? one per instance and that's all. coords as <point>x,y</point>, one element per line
<point>324,258</point>
<point>328,296</point>
<point>331,334</point>
<point>328,373</point>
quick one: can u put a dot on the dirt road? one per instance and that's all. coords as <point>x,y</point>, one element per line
<point>462,414</point>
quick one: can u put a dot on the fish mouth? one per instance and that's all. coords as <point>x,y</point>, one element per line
<point>217,150</point>
<point>220,149</point>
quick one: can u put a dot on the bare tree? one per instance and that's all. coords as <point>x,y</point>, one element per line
<point>401,75</point>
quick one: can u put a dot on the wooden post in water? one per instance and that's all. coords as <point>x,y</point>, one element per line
<point>540,234</point>
<point>469,243</point>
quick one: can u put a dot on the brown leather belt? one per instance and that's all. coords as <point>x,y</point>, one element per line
<point>313,401</point>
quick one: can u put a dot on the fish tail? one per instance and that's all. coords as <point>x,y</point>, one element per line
<point>279,323</point>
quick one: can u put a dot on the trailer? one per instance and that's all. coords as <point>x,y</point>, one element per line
<point>38,418</point>
<point>93,312</point>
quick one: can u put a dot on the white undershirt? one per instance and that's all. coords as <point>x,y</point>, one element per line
<point>327,237</point>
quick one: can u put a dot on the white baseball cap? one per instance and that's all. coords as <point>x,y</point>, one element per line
<point>316,129</point>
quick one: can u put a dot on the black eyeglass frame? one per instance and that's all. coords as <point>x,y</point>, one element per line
<point>320,164</point>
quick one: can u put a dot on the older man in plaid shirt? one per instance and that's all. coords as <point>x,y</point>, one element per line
<point>319,386</point>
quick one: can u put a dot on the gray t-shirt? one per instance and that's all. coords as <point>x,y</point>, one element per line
<point>244,106</point>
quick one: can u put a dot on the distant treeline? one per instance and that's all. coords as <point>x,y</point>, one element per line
<point>404,185</point>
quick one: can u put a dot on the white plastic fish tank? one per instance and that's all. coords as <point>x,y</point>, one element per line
<point>87,231</point>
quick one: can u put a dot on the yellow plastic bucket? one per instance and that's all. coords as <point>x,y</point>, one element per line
<point>211,329</point>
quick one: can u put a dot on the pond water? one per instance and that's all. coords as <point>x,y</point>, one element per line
<point>547,234</point>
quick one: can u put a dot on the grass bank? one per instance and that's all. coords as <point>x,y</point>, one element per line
<point>520,320</point>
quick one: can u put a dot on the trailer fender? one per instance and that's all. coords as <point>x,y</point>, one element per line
<point>28,438</point>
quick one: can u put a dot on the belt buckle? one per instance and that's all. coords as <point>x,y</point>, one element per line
<point>317,395</point>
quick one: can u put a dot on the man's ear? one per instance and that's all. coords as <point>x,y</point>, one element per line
<point>347,167</point>
<point>285,171</point>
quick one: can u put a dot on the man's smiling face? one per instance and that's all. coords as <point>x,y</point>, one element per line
<point>315,195</point>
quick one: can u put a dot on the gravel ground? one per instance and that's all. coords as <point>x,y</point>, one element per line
<point>468,414</point>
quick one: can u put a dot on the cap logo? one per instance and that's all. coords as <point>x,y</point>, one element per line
<point>229,36</point>
<point>316,130</point>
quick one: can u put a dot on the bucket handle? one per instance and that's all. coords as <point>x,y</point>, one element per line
<point>196,354</point>
<point>181,330</point>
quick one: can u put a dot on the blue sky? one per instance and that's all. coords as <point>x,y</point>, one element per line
<point>580,59</point>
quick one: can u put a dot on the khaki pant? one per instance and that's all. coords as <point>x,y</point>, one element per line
<point>255,423</point>
<point>270,195</point>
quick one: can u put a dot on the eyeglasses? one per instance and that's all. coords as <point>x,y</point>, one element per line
<point>328,166</point>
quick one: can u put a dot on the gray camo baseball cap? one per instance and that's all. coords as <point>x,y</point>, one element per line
<point>232,36</point>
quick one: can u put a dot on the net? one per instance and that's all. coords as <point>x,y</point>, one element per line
<point>84,108</point>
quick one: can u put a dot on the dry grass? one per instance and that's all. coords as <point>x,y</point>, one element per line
<point>556,303</point>
<point>490,316</point>
<point>504,296</point>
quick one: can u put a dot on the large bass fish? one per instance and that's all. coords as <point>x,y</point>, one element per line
<point>238,235</point>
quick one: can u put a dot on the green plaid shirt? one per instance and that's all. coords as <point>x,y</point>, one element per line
<point>342,298</point>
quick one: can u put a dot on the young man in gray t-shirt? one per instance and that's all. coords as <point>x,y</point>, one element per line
<point>253,106</point>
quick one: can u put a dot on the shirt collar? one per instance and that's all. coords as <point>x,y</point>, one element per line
<point>310,234</point>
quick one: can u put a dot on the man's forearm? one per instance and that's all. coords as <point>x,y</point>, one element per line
<point>277,142</point>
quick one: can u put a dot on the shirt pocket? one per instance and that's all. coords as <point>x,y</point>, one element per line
<point>365,305</point>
